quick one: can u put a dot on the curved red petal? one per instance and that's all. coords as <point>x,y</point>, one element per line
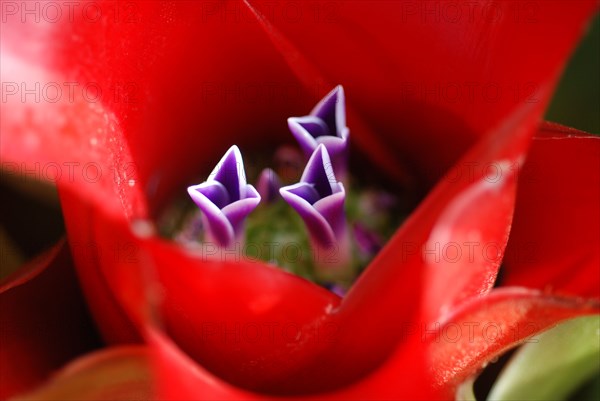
<point>484,328</point>
<point>469,64</point>
<point>245,321</point>
<point>179,378</point>
<point>248,323</point>
<point>554,242</point>
<point>44,321</point>
<point>436,358</point>
<point>63,137</point>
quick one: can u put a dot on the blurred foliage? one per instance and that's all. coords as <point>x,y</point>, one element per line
<point>589,392</point>
<point>576,102</point>
<point>553,365</point>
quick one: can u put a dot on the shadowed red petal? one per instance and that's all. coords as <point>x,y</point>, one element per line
<point>43,321</point>
<point>554,245</point>
<point>105,254</point>
<point>77,144</point>
<point>311,77</point>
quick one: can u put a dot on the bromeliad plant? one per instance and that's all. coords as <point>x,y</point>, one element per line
<point>233,328</point>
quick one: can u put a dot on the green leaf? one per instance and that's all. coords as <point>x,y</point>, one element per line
<point>552,365</point>
<point>589,392</point>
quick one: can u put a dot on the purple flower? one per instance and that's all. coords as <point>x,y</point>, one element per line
<point>326,124</point>
<point>268,185</point>
<point>225,199</point>
<point>319,200</point>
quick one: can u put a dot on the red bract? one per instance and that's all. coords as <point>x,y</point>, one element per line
<point>174,81</point>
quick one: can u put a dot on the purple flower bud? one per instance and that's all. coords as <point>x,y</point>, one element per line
<point>225,199</point>
<point>326,124</point>
<point>337,289</point>
<point>368,242</point>
<point>319,200</point>
<point>268,185</point>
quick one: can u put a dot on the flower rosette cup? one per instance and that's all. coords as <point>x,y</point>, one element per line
<point>184,108</point>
